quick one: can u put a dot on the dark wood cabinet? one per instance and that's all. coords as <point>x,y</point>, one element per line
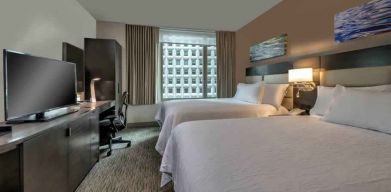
<point>10,171</point>
<point>45,161</point>
<point>94,126</point>
<point>63,156</point>
<point>79,151</point>
<point>103,60</point>
<point>75,55</point>
<point>53,156</point>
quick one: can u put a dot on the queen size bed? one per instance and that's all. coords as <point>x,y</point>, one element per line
<point>345,148</point>
<point>277,154</point>
<point>172,113</point>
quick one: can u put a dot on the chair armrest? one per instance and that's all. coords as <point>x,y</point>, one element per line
<point>111,117</point>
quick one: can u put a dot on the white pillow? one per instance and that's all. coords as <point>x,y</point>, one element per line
<point>249,92</point>
<point>365,109</point>
<point>323,100</point>
<point>273,94</point>
<point>326,95</point>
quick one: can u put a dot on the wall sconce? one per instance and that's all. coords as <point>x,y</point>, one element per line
<point>92,89</point>
<point>302,79</point>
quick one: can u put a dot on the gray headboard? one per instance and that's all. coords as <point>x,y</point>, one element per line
<point>365,67</point>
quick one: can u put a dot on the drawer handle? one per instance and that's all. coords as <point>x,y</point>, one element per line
<point>69,132</point>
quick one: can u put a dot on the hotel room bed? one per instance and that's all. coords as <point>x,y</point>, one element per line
<point>172,113</point>
<point>276,154</point>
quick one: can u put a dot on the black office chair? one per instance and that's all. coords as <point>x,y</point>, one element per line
<point>112,124</point>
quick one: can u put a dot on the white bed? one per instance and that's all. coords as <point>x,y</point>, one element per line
<point>276,154</point>
<point>172,113</point>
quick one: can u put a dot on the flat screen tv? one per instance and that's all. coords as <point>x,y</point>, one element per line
<point>35,85</point>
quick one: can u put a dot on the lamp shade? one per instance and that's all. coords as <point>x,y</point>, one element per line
<point>300,75</point>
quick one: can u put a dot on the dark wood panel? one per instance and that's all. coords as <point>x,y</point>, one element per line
<point>94,126</point>
<point>103,60</point>
<point>272,69</point>
<point>79,151</point>
<point>10,171</point>
<point>75,55</point>
<point>45,164</point>
<point>283,68</point>
<point>370,57</point>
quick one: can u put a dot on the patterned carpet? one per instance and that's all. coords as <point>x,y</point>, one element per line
<point>134,169</point>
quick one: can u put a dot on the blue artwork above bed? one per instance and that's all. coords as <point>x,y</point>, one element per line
<point>365,20</point>
<point>268,49</point>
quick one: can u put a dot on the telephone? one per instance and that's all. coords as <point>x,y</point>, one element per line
<point>296,111</point>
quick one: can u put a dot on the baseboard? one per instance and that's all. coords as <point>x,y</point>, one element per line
<point>142,124</point>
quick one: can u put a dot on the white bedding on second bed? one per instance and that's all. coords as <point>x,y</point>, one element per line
<point>172,113</point>
<point>276,154</point>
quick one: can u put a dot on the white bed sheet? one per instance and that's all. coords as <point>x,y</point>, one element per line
<point>276,154</point>
<point>172,113</point>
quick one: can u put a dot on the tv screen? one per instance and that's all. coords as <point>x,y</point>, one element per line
<point>35,84</point>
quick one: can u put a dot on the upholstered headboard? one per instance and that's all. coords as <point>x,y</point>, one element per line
<point>365,67</point>
<point>273,74</point>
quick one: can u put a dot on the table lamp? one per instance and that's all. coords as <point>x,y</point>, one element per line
<point>302,79</point>
<point>92,89</point>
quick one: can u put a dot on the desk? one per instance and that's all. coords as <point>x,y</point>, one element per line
<point>54,155</point>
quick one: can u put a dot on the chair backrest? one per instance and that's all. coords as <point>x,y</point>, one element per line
<point>122,112</point>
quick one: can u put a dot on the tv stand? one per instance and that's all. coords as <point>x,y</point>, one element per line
<point>44,116</point>
<point>60,152</point>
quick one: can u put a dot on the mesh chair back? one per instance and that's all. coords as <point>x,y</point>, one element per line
<point>122,111</point>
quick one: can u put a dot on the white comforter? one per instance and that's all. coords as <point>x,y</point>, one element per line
<point>276,154</point>
<point>172,113</point>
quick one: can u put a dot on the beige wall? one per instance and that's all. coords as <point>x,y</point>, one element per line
<point>310,28</point>
<point>39,27</point>
<point>116,31</point>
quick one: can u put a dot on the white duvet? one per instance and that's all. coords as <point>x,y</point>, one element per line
<point>172,113</point>
<point>276,154</point>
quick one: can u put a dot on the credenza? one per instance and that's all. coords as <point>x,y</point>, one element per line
<point>51,156</point>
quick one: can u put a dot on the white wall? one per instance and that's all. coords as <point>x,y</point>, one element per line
<point>112,30</point>
<point>39,27</point>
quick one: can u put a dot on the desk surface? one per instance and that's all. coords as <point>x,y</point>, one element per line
<point>23,132</point>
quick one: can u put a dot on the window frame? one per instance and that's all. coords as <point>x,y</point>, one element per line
<point>204,71</point>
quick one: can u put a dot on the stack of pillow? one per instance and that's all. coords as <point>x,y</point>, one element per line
<point>261,93</point>
<point>365,107</point>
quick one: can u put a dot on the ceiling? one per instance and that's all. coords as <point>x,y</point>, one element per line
<point>227,15</point>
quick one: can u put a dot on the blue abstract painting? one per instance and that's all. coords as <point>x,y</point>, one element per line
<point>365,20</point>
<point>268,49</point>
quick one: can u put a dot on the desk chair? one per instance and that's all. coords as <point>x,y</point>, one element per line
<point>112,124</point>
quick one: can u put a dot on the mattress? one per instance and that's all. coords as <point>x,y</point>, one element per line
<point>276,154</point>
<point>172,113</point>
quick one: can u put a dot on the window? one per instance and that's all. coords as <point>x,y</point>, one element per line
<point>188,64</point>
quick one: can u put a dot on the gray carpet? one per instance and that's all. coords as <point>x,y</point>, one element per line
<point>134,169</point>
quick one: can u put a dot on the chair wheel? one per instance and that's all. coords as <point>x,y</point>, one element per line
<point>109,153</point>
<point>128,145</point>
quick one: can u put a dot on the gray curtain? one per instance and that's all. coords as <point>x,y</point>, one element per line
<point>225,64</point>
<point>142,43</point>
